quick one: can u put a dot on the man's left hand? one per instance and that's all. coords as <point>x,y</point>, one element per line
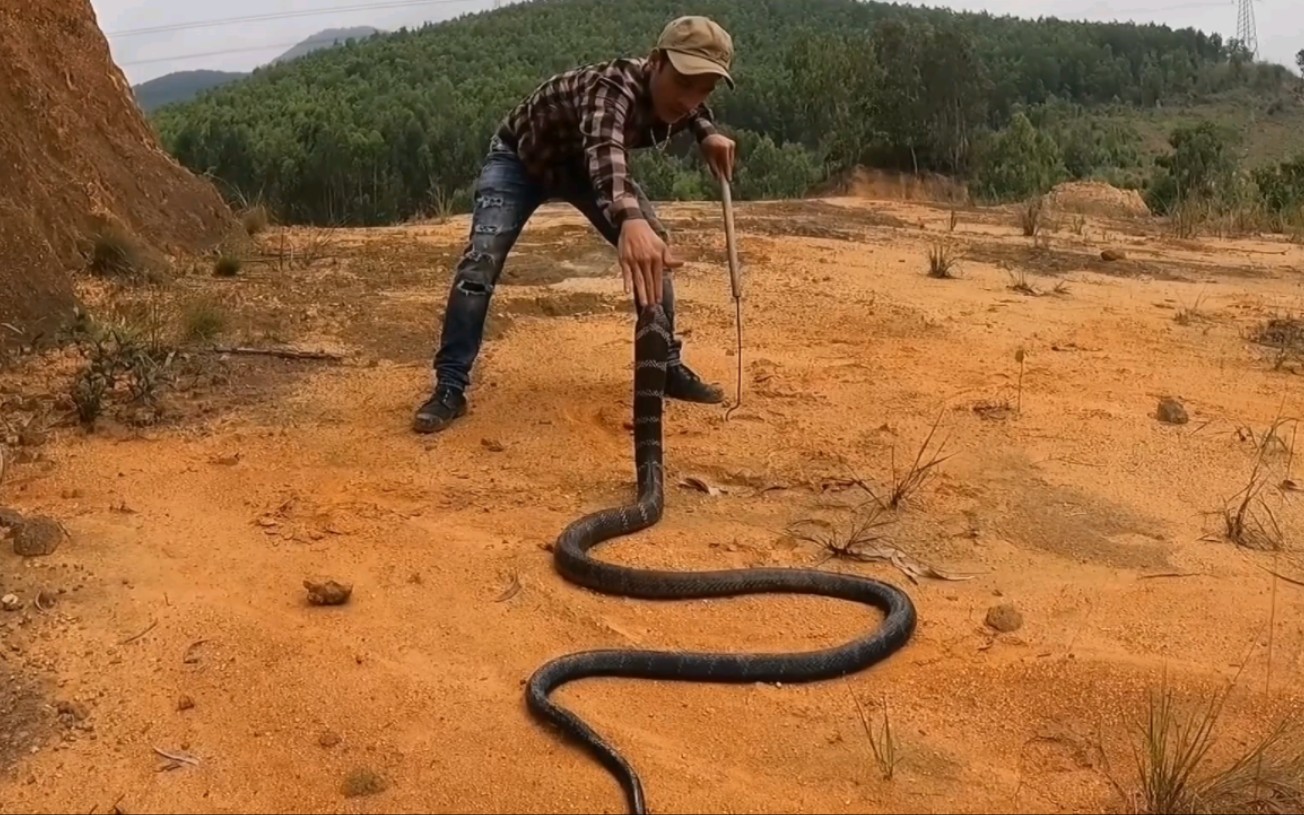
<point>719,152</point>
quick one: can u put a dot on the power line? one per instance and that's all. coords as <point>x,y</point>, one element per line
<point>280,15</point>
<point>400,4</point>
<point>389,4</point>
<point>223,52</point>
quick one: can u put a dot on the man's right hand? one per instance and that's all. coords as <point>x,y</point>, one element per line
<point>643,259</point>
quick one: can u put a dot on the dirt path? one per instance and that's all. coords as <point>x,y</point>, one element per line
<point>181,623</point>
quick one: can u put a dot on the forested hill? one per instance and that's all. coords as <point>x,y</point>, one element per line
<point>376,131</point>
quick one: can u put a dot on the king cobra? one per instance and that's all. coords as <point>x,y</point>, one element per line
<point>571,559</point>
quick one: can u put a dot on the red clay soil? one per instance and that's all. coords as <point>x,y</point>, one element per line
<point>75,150</point>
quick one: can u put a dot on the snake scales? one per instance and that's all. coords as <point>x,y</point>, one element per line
<point>652,335</point>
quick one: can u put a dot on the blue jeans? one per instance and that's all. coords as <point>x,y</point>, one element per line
<point>505,198</point>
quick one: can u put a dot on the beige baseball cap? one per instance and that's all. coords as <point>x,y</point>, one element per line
<point>698,45</point>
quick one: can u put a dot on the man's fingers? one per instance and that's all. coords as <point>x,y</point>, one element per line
<point>656,281</point>
<point>652,279</point>
<point>640,283</point>
<point>645,275</point>
<point>627,274</point>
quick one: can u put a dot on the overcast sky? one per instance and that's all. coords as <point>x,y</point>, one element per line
<point>248,43</point>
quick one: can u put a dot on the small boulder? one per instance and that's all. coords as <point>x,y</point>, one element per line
<point>1111,255</point>
<point>1171,411</point>
<point>328,592</point>
<point>1004,618</point>
<point>38,536</point>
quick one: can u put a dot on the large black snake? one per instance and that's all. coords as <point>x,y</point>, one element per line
<point>652,335</point>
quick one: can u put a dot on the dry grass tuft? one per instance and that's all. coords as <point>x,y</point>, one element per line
<point>1032,216</point>
<point>941,261</point>
<point>1175,776</point>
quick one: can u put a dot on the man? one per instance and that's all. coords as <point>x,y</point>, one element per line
<point>568,140</point>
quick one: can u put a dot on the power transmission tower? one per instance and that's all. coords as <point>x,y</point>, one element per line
<point>1246,30</point>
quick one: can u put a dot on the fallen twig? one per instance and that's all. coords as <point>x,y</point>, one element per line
<point>281,353</point>
<point>180,758</point>
<point>1292,580</point>
<point>856,546</point>
<point>141,634</point>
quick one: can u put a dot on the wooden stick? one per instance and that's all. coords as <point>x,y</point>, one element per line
<point>135,637</point>
<point>282,353</point>
<point>736,283</point>
<point>735,277</point>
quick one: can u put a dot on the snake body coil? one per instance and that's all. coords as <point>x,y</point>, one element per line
<point>652,335</point>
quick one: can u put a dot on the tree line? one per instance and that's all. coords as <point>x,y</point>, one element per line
<point>378,131</point>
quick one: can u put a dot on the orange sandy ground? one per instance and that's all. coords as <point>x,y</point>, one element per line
<point>1075,505</point>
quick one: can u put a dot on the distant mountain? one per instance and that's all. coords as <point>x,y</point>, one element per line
<point>325,39</point>
<point>182,86</point>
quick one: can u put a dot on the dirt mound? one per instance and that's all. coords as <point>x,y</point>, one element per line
<point>891,185</point>
<point>1096,198</point>
<point>75,153</point>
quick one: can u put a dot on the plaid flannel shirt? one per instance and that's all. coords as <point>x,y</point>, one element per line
<point>576,127</point>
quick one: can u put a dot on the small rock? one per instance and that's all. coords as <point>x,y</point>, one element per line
<point>1004,618</point>
<point>10,518</point>
<point>73,711</point>
<point>31,437</point>
<point>1171,411</point>
<point>328,739</point>
<point>144,416</point>
<point>492,445</point>
<point>363,781</point>
<point>10,602</point>
<point>38,536</point>
<point>184,702</point>
<point>328,592</point>
<point>1110,255</point>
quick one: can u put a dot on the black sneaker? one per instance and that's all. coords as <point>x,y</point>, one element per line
<point>683,384</point>
<point>439,411</point>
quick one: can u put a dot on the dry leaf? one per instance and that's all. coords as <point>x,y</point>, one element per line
<point>908,565</point>
<point>512,588</point>
<point>701,485</point>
